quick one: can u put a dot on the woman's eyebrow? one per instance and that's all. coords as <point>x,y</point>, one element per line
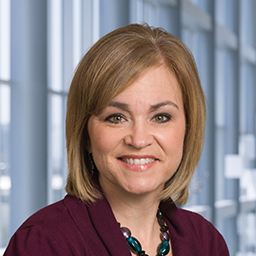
<point>120,105</point>
<point>153,108</point>
<point>162,104</point>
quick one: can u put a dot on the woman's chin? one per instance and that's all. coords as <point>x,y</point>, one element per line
<point>143,189</point>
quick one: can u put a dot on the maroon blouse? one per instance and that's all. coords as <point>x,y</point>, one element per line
<point>70,227</point>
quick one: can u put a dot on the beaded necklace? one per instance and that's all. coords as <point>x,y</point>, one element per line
<point>135,246</point>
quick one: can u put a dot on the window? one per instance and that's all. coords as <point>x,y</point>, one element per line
<point>73,28</point>
<point>5,119</point>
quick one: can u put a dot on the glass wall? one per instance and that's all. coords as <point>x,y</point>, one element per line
<point>5,95</point>
<point>73,26</point>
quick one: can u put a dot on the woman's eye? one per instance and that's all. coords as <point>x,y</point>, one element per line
<point>162,118</point>
<point>115,119</point>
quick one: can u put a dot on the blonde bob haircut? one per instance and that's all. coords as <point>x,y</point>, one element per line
<point>110,66</point>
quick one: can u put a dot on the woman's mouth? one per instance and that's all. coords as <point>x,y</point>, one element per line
<point>138,161</point>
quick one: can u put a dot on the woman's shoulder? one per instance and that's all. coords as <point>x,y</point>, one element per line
<point>205,232</point>
<point>192,216</point>
<point>196,221</point>
<point>48,216</point>
<point>195,229</point>
<point>185,218</point>
<point>46,232</point>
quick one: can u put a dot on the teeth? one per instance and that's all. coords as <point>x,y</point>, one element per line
<point>142,161</point>
<point>138,161</point>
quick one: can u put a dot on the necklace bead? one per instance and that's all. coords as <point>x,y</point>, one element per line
<point>165,236</point>
<point>160,221</point>
<point>164,248</point>
<point>142,253</point>
<point>126,232</point>
<point>164,228</point>
<point>135,246</point>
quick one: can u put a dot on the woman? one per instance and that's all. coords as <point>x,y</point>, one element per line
<point>134,130</point>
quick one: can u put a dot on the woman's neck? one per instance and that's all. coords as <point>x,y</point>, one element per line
<point>136,212</point>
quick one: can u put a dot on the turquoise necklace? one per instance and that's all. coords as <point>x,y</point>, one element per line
<point>135,246</point>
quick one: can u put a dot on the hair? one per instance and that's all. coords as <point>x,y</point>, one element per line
<point>111,65</point>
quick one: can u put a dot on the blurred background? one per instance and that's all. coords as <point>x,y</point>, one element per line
<point>42,41</point>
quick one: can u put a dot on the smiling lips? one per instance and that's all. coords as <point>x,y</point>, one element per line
<point>138,161</point>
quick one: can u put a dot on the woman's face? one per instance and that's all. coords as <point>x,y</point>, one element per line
<point>137,141</point>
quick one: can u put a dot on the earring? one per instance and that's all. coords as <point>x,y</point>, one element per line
<point>91,163</point>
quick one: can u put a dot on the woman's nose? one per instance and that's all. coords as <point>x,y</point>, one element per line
<point>140,136</point>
